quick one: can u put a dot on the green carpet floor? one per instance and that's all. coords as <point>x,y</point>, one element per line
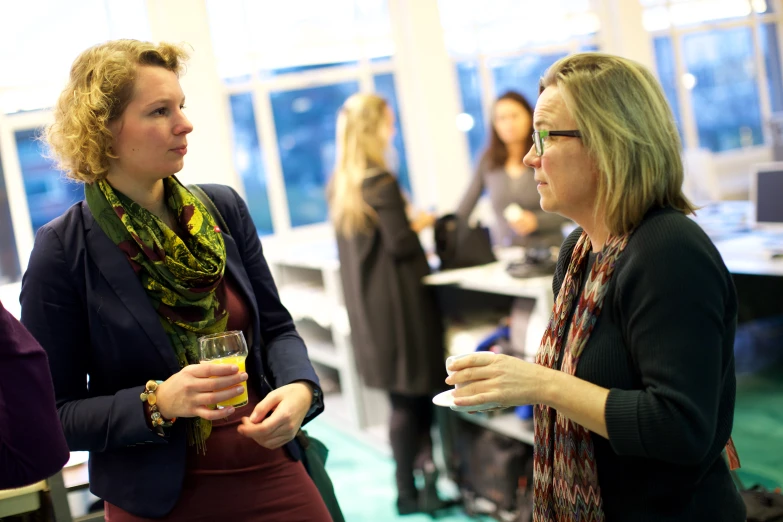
<point>363,479</point>
<point>758,428</point>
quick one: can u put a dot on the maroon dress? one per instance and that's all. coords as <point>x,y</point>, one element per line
<point>237,479</point>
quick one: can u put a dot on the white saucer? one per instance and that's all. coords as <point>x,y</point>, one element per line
<point>446,399</point>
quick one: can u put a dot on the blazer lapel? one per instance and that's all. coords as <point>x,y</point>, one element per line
<point>115,268</point>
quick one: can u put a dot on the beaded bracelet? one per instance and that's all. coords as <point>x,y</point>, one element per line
<point>148,396</point>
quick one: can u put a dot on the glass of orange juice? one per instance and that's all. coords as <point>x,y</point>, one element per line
<point>225,348</point>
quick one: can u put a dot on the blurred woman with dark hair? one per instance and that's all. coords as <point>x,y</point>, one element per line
<point>509,183</point>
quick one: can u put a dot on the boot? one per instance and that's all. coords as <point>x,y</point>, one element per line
<point>429,501</point>
<point>408,502</point>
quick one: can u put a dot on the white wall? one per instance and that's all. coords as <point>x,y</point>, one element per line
<point>209,145</point>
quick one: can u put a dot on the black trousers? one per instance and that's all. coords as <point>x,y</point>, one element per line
<point>410,437</point>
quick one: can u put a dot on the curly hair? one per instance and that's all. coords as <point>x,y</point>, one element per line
<point>98,91</point>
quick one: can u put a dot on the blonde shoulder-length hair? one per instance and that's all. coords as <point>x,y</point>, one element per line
<point>628,129</point>
<point>98,91</point>
<point>360,152</point>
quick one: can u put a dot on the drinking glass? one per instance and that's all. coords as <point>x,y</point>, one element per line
<point>225,348</point>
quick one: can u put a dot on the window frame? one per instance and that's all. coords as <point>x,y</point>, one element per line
<point>261,89</point>
<point>21,221</point>
<point>677,34</point>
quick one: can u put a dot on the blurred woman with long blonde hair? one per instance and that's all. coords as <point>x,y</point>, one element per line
<point>396,328</point>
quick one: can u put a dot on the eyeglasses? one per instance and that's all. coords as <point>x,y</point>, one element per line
<point>540,136</point>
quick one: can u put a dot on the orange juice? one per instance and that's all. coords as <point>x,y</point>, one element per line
<point>239,360</point>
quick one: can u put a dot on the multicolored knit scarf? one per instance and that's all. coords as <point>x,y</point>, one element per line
<point>179,274</point>
<point>565,475</point>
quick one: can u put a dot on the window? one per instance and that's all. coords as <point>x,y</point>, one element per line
<point>397,163</point>
<point>667,72</point>
<point>49,193</point>
<point>9,259</point>
<point>290,70</point>
<point>305,122</point>
<point>724,89</point>
<point>472,120</point>
<point>249,160</point>
<point>522,73</point>
<point>494,53</point>
<point>728,72</point>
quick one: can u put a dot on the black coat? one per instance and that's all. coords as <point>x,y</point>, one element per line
<point>396,327</point>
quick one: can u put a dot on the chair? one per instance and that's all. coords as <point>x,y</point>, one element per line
<point>27,499</point>
<point>18,501</point>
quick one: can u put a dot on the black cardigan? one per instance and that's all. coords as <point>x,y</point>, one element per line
<point>664,347</point>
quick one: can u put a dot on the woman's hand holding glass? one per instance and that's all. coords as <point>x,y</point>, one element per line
<point>194,390</point>
<point>212,389</point>
<point>500,379</point>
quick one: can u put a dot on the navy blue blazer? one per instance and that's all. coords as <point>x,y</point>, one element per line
<point>84,304</point>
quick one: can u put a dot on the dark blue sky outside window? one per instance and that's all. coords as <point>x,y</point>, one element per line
<point>725,96</point>
<point>470,91</point>
<point>249,161</point>
<point>769,47</point>
<point>664,60</point>
<point>9,260</point>
<point>49,192</point>
<point>522,74</point>
<point>305,123</point>
<point>384,86</point>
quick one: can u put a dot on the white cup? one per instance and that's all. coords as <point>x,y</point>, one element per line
<point>454,358</point>
<point>480,407</point>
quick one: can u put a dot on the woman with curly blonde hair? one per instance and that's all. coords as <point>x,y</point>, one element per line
<point>120,287</point>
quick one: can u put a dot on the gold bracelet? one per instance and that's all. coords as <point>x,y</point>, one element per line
<point>148,396</point>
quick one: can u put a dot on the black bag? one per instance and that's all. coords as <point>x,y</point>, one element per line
<point>314,460</point>
<point>493,467</point>
<point>459,245</point>
<point>763,505</point>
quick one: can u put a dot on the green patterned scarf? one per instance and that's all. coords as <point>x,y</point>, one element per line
<point>179,274</point>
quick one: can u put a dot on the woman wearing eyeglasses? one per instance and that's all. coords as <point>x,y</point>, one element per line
<point>509,183</point>
<point>634,380</point>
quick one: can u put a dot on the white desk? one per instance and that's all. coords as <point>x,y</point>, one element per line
<point>494,279</point>
<point>751,254</point>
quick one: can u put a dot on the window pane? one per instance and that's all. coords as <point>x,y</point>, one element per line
<point>9,259</point>
<point>472,119</point>
<point>725,94</point>
<point>522,74</point>
<point>305,121</point>
<point>249,161</point>
<point>384,85</point>
<point>49,192</point>
<point>769,46</point>
<point>664,61</point>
